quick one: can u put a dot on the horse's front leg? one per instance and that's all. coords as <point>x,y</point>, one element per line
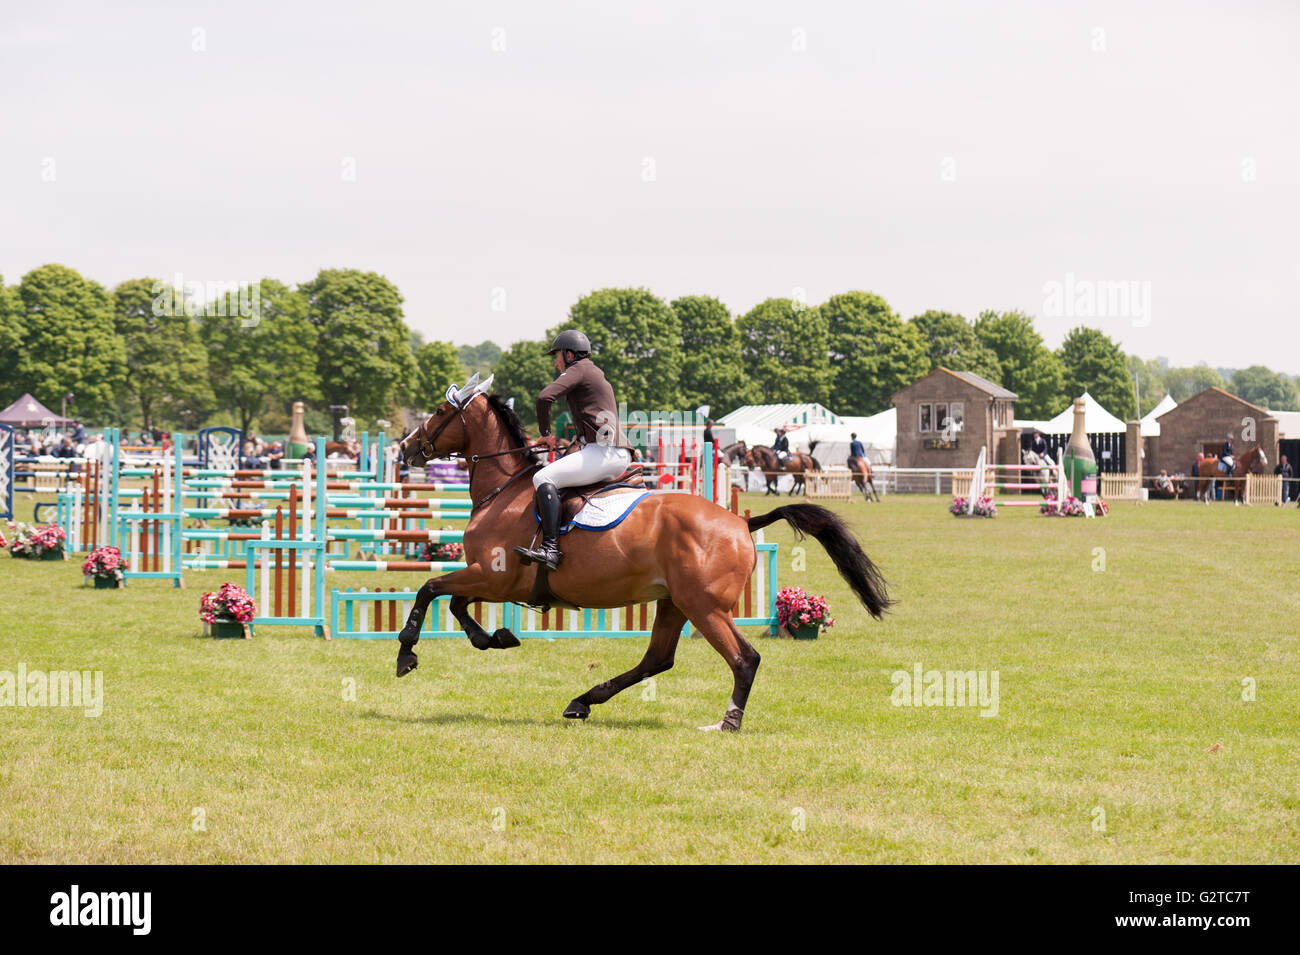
<point>461,585</point>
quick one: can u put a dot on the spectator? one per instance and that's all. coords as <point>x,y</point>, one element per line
<point>1288,486</point>
<point>1165,488</point>
<point>146,439</point>
<point>275,455</point>
<point>66,449</point>
<point>78,433</point>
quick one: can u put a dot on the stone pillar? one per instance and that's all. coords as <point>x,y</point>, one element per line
<point>1133,448</point>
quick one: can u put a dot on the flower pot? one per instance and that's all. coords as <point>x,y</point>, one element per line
<point>228,628</point>
<point>53,554</point>
<point>105,583</point>
<point>806,632</point>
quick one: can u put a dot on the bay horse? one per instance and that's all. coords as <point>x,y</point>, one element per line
<point>796,462</point>
<point>861,471</point>
<point>688,555</point>
<point>1207,472</point>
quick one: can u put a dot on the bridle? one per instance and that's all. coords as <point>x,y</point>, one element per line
<point>427,444</point>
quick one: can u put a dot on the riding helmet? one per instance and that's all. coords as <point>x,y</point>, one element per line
<point>570,340</point>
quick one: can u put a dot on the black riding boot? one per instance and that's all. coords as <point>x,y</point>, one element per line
<point>548,509</point>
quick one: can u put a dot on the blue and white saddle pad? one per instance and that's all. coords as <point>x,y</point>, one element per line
<point>602,513</point>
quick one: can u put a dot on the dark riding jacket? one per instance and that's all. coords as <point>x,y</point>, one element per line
<point>590,398</point>
<point>782,445</point>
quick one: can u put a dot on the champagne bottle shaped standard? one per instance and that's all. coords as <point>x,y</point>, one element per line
<point>298,442</point>
<point>1078,461</point>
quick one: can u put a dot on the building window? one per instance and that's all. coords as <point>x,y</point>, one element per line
<point>940,415</point>
<point>925,421</point>
<point>957,416</point>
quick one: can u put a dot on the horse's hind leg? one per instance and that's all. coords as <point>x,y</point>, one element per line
<point>500,639</point>
<point>718,628</point>
<point>665,633</point>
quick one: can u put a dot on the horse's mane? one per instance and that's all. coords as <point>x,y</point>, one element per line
<point>509,419</point>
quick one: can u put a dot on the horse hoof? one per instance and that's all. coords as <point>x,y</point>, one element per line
<point>503,639</point>
<point>481,640</point>
<point>406,662</point>
<point>577,710</point>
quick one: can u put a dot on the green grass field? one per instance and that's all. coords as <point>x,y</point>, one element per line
<point>1114,685</point>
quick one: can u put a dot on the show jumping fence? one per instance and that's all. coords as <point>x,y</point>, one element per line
<point>285,529</point>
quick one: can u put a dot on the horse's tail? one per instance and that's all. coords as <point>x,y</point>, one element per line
<point>845,552</point>
<point>817,465</point>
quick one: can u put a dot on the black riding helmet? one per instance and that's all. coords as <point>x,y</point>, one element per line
<point>571,340</point>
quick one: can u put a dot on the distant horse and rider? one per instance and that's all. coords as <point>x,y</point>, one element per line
<point>778,460</point>
<point>1230,468</point>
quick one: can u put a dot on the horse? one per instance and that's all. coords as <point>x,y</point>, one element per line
<point>861,471</point>
<point>1044,465</point>
<point>689,556</point>
<point>1207,471</point>
<point>765,459</point>
<point>734,453</point>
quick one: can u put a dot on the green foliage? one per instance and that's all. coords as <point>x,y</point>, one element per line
<point>13,331</point>
<point>270,360</point>
<point>1028,367</point>
<point>167,364</point>
<point>712,373</point>
<point>521,372</point>
<point>635,340</point>
<point>1095,364</point>
<point>951,343</point>
<point>479,358</point>
<point>1266,388</point>
<point>785,346</point>
<point>437,365</point>
<point>68,341</point>
<point>1185,382</point>
<point>364,357</point>
<point>1151,380</point>
<point>873,352</point>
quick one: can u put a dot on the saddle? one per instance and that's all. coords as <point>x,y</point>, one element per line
<point>572,500</point>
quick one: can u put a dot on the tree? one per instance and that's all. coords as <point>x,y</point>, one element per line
<point>521,372</point>
<point>1185,382</point>
<point>167,364</point>
<point>712,373</point>
<point>1266,388</point>
<point>1095,364</point>
<point>364,357</point>
<point>1028,367</point>
<point>13,330</point>
<point>873,353</point>
<point>479,358</point>
<point>951,343</point>
<point>272,359</point>
<point>437,366</point>
<point>785,346</point>
<point>637,342</point>
<point>68,341</point>
<point>1151,381</point>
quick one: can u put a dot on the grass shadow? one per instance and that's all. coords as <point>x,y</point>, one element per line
<point>451,719</point>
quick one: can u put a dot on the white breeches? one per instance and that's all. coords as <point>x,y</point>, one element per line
<point>589,464</point>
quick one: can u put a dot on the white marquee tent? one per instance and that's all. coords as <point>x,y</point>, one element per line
<point>1150,426</point>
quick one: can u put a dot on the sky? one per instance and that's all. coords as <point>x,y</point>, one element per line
<point>498,160</point>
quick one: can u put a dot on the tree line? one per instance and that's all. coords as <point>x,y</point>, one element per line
<point>146,354</point>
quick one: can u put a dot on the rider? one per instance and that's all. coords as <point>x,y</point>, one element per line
<point>781,445</point>
<point>856,450</point>
<point>603,455</point>
<point>1039,445</point>
<point>1227,461</point>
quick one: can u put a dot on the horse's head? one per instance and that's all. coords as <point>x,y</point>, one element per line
<point>749,458</point>
<point>447,430</point>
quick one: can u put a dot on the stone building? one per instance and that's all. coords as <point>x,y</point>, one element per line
<point>1199,425</point>
<point>947,416</point>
